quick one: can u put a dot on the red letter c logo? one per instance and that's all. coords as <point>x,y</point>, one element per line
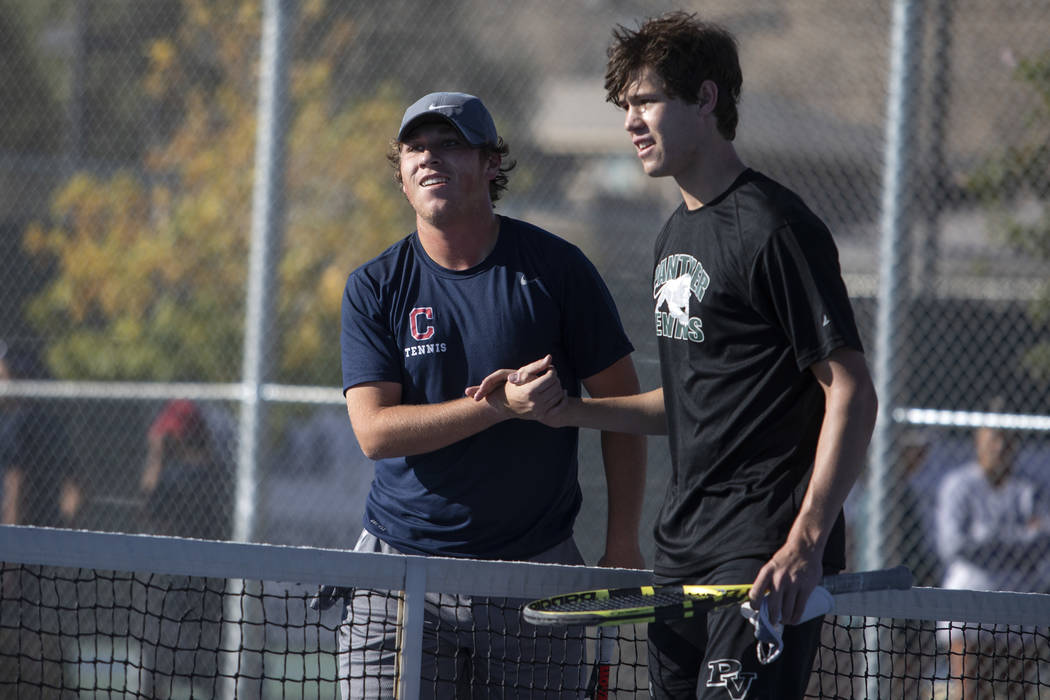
<point>419,332</point>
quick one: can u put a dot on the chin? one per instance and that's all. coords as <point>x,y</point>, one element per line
<point>655,170</point>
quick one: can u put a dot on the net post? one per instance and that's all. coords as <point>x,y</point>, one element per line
<point>230,646</point>
<point>412,635</point>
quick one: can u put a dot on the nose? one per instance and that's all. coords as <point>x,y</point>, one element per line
<point>632,119</point>
<point>430,155</point>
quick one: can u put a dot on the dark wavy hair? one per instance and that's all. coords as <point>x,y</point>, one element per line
<point>684,51</point>
<point>497,185</point>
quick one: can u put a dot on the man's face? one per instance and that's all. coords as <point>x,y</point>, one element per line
<point>996,450</point>
<point>665,130</point>
<point>442,175</point>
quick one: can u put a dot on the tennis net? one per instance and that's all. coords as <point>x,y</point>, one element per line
<point>93,615</point>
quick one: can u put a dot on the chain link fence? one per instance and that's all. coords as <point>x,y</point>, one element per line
<point>187,183</point>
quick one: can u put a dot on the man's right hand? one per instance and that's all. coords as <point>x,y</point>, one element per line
<point>532,391</point>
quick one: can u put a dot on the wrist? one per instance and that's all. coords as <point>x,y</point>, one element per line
<point>493,407</point>
<point>568,414</point>
<point>807,543</point>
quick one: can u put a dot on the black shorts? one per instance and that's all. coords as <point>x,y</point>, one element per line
<point>713,656</point>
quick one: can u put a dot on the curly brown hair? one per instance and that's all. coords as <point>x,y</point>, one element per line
<point>497,185</point>
<point>684,51</point>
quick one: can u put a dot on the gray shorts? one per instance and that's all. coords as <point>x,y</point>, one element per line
<point>472,646</point>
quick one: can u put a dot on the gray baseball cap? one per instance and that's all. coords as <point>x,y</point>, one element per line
<point>463,111</point>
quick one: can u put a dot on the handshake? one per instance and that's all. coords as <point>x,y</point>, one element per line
<point>533,392</point>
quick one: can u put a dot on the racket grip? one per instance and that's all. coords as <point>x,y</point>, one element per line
<point>897,578</point>
<point>604,650</point>
<point>606,646</point>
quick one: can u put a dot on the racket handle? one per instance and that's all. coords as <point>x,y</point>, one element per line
<point>604,649</point>
<point>897,578</point>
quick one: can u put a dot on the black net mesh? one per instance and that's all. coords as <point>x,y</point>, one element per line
<point>79,632</point>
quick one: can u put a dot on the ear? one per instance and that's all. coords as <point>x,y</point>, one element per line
<point>493,161</point>
<point>707,97</point>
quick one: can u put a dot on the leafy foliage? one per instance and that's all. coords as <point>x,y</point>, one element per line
<point>30,121</point>
<point>151,262</point>
<point>1022,173</point>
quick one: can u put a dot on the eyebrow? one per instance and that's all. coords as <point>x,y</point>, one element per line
<point>629,95</point>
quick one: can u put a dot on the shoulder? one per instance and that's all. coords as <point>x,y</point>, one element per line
<point>536,249</point>
<point>531,235</point>
<point>377,272</point>
<point>770,198</point>
<point>766,207</point>
<point>963,479</point>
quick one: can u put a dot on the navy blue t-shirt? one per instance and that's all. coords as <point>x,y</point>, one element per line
<point>511,491</point>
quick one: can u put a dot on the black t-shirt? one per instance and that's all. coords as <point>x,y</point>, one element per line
<point>748,294</point>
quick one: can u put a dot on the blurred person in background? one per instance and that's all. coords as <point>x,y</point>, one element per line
<point>467,292</point>
<point>37,462</point>
<point>186,487</point>
<point>993,525</point>
<point>993,533</point>
<point>186,484</point>
<point>38,486</point>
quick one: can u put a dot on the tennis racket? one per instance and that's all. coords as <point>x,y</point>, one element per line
<point>628,606</point>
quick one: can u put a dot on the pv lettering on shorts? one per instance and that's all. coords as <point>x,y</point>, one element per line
<point>677,279</point>
<point>726,673</point>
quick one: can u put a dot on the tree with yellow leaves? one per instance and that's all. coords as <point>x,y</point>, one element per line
<point>151,262</point>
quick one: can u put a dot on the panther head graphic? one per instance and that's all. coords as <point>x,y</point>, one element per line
<point>674,294</point>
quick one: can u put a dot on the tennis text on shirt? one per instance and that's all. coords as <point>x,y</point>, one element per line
<point>676,279</point>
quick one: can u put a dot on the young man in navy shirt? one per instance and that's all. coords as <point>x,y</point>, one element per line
<point>467,292</point>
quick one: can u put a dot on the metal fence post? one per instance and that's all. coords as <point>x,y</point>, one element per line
<point>900,124</point>
<point>266,232</point>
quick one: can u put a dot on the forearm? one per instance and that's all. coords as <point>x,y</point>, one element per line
<point>404,429</point>
<point>624,457</point>
<point>640,414</point>
<point>849,419</point>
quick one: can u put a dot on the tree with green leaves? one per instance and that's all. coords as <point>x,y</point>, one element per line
<point>1022,173</point>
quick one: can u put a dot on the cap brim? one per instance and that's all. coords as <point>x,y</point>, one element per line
<point>429,117</point>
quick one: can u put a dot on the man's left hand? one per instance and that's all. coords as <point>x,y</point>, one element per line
<point>787,580</point>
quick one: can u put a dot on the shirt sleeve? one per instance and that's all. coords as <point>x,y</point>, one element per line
<point>796,284</point>
<point>369,348</point>
<point>594,334</point>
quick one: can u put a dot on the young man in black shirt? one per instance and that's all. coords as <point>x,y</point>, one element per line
<point>766,396</point>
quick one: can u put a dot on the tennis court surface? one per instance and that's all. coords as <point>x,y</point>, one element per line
<point>91,615</point>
